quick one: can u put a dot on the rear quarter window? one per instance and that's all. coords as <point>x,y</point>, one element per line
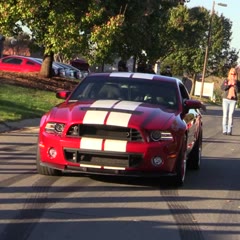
<point>30,63</point>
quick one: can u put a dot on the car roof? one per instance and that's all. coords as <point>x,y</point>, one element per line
<point>69,66</point>
<point>16,56</point>
<point>137,75</point>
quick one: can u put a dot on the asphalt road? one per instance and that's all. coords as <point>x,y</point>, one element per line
<point>207,207</point>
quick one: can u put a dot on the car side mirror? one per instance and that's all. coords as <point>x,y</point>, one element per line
<point>194,104</point>
<point>63,94</point>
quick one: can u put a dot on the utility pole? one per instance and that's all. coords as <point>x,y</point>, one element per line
<point>208,45</point>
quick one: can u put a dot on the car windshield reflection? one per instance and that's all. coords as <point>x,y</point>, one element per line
<point>163,94</point>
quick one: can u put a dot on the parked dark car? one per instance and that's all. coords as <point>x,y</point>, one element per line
<point>57,69</point>
<point>70,71</point>
<point>81,65</point>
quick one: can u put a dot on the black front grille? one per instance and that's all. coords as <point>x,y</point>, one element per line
<point>103,158</point>
<point>105,131</point>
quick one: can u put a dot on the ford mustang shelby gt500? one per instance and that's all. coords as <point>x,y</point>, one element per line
<point>122,123</point>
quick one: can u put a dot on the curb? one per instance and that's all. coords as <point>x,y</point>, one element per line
<point>26,123</point>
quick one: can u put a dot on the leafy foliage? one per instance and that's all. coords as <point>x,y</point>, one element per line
<point>189,55</point>
<point>148,30</point>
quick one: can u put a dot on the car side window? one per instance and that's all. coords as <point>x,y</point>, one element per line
<point>184,92</point>
<point>30,63</point>
<point>161,94</point>
<point>16,61</point>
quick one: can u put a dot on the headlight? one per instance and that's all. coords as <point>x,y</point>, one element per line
<point>158,135</point>
<point>54,127</point>
<point>155,135</point>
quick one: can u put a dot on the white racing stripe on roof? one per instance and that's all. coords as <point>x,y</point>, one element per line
<point>143,75</point>
<point>91,143</point>
<point>115,145</point>
<point>120,74</point>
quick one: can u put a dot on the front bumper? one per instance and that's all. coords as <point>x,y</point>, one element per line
<point>92,170</point>
<point>135,160</point>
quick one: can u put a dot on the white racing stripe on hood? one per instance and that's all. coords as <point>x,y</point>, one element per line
<point>127,105</point>
<point>119,118</point>
<point>95,117</point>
<point>98,117</point>
<point>114,118</point>
<point>103,103</point>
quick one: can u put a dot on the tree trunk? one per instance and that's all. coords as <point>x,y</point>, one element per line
<point>134,63</point>
<point>46,69</point>
<point>102,67</point>
<point>193,85</point>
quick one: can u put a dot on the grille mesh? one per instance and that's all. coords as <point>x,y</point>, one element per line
<point>105,131</point>
<point>103,159</point>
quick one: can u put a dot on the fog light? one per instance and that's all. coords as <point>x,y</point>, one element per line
<point>52,152</point>
<point>157,161</point>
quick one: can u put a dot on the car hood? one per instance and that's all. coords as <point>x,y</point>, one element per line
<point>113,112</point>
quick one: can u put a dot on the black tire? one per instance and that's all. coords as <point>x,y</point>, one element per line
<point>181,167</point>
<point>194,158</point>
<point>181,172</point>
<point>45,170</point>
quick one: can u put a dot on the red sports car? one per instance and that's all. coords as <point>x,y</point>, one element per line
<point>19,64</point>
<point>122,123</point>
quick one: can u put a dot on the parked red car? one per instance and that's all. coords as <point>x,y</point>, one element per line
<point>17,63</point>
<point>122,123</point>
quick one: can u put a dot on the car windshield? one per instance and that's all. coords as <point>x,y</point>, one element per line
<point>141,90</point>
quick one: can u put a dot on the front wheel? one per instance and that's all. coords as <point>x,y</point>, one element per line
<point>194,158</point>
<point>181,172</point>
<point>181,167</point>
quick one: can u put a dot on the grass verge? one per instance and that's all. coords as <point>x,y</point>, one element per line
<point>17,103</point>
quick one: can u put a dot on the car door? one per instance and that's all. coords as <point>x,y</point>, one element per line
<point>190,117</point>
<point>30,66</point>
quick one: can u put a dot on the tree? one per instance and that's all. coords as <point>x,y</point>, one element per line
<point>104,30</point>
<point>190,44</point>
<point>221,56</point>
<point>62,26</point>
<point>19,45</point>
<point>143,33</point>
